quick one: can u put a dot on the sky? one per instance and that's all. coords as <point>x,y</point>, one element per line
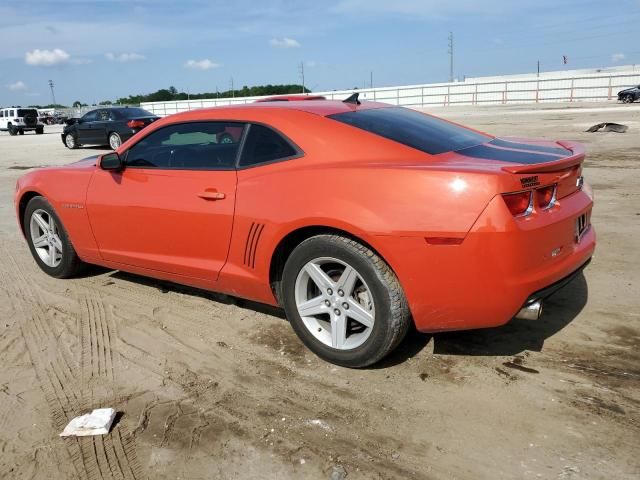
<point>96,50</point>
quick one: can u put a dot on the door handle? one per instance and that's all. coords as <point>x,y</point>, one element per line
<point>211,195</point>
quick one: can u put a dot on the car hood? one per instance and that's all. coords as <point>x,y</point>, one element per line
<point>84,164</point>
<point>632,89</point>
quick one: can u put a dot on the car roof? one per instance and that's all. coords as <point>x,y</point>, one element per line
<point>319,107</point>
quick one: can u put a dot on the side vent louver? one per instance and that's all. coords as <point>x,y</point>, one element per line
<point>251,245</point>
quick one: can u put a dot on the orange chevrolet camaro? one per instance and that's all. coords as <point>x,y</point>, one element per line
<point>358,218</point>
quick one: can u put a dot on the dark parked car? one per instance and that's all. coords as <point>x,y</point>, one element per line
<point>106,126</point>
<point>629,95</point>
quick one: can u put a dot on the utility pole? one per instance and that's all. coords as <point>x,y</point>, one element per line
<point>538,68</point>
<point>301,71</point>
<point>451,56</point>
<point>53,95</point>
<point>233,92</point>
<point>371,80</point>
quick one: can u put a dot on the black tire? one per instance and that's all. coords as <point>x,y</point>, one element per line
<point>13,131</point>
<point>114,140</point>
<point>71,144</point>
<point>627,99</point>
<point>21,132</point>
<point>39,130</point>
<point>70,264</point>
<point>392,317</point>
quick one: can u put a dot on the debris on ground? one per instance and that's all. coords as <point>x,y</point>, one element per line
<point>98,422</point>
<point>608,127</point>
<point>338,472</point>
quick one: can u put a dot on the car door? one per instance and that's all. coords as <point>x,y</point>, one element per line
<point>100,127</point>
<point>171,208</point>
<point>86,128</point>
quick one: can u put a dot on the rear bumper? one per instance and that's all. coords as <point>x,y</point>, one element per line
<point>502,264</point>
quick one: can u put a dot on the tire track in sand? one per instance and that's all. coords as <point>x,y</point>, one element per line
<point>114,453</point>
<point>112,456</point>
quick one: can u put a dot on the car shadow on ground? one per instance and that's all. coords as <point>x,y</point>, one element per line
<point>166,287</point>
<point>511,339</point>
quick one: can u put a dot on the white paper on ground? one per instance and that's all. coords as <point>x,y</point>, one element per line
<point>97,422</point>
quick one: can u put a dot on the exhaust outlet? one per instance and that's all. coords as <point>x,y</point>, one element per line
<point>532,311</point>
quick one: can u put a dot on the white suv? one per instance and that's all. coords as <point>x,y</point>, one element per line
<point>19,120</point>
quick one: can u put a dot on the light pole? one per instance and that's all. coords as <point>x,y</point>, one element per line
<point>53,95</point>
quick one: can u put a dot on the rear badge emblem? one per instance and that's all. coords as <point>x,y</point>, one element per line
<point>555,252</point>
<point>529,181</point>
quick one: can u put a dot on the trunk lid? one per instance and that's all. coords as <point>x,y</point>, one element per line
<point>535,163</point>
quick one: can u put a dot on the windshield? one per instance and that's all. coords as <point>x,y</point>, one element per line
<point>134,112</point>
<point>27,112</point>
<point>414,129</point>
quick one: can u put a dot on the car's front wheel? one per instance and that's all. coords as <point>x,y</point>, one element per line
<point>114,141</point>
<point>627,99</point>
<point>71,141</point>
<point>48,240</point>
<point>12,130</point>
<point>344,302</point>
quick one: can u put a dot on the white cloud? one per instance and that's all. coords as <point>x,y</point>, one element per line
<point>617,57</point>
<point>124,57</point>
<point>46,58</point>
<point>204,64</point>
<point>18,86</point>
<point>285,42</point>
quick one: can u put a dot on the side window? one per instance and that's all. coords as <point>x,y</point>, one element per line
<point>265,145</point>
<point>103,116</point>
<point>90,116</point>
<point>1,113</point>
<point>189,146</point>
<point>12,113</point>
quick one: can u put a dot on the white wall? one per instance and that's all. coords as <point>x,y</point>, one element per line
<point>563,86</point>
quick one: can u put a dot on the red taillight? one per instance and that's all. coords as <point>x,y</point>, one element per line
<point>545,196</point>
<point>518,203</point>
<point>135,124</point>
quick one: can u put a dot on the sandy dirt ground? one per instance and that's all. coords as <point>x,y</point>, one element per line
<point>210,386</point>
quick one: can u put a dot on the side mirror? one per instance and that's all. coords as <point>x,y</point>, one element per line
<point>111,161</point>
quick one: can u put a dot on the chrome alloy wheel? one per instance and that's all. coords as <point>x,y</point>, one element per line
<point>114,141</point>
<point>45,238</point>
<point>335,303</point>
<point>69,141</point>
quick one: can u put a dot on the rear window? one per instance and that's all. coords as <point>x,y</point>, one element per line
<point>26,112</point>
<point>135,112</point>
<point>412,128</point>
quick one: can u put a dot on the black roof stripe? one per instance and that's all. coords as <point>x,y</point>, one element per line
<point>513,156</point>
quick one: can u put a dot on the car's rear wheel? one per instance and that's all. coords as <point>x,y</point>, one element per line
<point>344,301</point>
<point>21,132</point>
<point>71,141</point>
<point>39,130</point>
<point>48,240</point>
<point>114,141</point>
<point>225,138</point>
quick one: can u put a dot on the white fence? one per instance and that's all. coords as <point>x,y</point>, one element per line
<point>567,86</point>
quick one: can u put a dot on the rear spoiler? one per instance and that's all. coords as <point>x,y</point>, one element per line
<point>576,158</point>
